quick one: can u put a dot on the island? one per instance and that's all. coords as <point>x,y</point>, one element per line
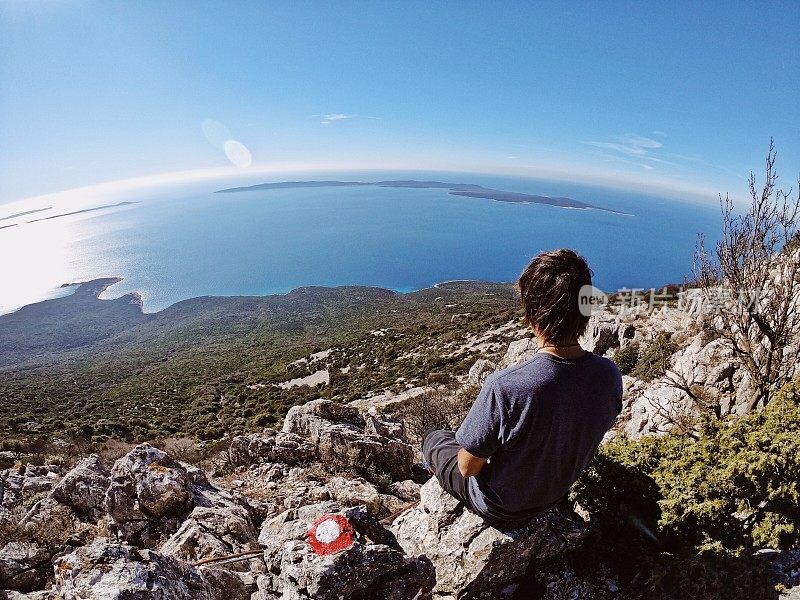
<point>468,190</point>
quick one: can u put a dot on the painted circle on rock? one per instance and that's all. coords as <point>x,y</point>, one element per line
<point>329,534</point>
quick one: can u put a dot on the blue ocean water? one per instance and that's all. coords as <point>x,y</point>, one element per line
<point>193,243</point>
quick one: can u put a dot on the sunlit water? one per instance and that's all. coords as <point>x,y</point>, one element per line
<point>186,243</point>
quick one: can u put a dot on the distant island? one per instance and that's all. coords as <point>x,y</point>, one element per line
<point>468,190</point>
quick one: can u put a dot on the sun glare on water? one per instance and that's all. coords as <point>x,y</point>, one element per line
<point>37,263</point>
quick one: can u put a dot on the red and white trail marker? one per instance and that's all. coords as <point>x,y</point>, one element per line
<point>329,534</point>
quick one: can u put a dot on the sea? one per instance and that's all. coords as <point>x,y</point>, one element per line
<point>182,242</point>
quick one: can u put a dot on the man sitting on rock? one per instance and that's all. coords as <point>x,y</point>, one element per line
<point>535,426</point>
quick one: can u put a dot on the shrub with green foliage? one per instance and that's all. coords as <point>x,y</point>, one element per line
<point>734,490</point>
<point>627,358</point>
<point>653,361</point>
<point>738,486</point>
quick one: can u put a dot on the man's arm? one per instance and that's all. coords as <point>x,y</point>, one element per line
<point>469,465</point>
<point>480,431</point>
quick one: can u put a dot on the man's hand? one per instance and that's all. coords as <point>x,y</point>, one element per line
<point>469,465</point>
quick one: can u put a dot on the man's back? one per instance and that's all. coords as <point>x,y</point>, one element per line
<point>539,423</point>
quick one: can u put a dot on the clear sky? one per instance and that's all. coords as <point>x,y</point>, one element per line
<point>645,95</point>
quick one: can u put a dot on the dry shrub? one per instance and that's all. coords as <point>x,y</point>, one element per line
<point>442,407</point>
<point>184,449</point>
<point>113,449</point>
<point>350,465</point>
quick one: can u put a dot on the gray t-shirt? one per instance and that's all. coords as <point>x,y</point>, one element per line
<point>539,424</point>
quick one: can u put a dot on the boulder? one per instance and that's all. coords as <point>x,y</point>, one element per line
<point>214,532</point>
<point>407,490</point>
<point>24,482</point>
<point>382,425</point>
<point>148,491</point>
<point>471,557</point>
<point>84,488</point>
<point>304,419</point>
<point>354,492</point>
<point>518,352</point>
<point>23,566</point>
<point>106,570</point>
<point>480,370</point>
<point>392,506</point>
<point>362,571</point>
<point>338,431</point>
<point>602,334</point>
<point>372,567</point>
<point>270,446</point>
<point>290,525</point>
<point>224,584</point>
<point>49,520</point>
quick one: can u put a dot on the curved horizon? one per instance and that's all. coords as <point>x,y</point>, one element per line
<point>105,189</point>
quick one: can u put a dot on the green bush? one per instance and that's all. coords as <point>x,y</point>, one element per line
<point>734,490</point>
<point>627,358</point>
<point>738,485</point>
<point>653,361</point>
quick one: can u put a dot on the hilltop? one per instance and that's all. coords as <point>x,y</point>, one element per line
<point>333,504</point>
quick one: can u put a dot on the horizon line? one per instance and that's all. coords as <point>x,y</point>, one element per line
<point>668,189</point>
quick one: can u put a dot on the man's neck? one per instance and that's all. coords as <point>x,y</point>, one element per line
<point>568,350</point>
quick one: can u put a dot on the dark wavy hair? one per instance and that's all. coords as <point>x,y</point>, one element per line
<point>549,289</point>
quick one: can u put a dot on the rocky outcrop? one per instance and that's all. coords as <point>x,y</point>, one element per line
<point>472,558</point>
<point>148,491</point>
<point>371,565</point>
<point>105,570</point>
<point>84,488</point>
<point>153,527</point>
<point>23,566</point>
<point>270,446</point>
<point>340,430</point>
<point>214,532</point>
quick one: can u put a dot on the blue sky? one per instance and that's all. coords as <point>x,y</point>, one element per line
<point>659,96</point>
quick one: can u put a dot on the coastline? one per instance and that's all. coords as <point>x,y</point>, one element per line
<point>95,288</point>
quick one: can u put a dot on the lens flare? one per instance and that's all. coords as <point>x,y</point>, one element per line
<point>238,154</point>
<point>216,133</point>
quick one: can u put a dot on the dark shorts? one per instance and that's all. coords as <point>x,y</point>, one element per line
<point>440,450</point>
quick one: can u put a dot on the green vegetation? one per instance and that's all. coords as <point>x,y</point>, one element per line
<point>692,512</point>
<point>627,358</point>
<point>653,360</point>
<point>209,367</point>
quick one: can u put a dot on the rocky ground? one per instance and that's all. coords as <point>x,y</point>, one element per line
<point>281,524</point>
<point>332,505</point>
